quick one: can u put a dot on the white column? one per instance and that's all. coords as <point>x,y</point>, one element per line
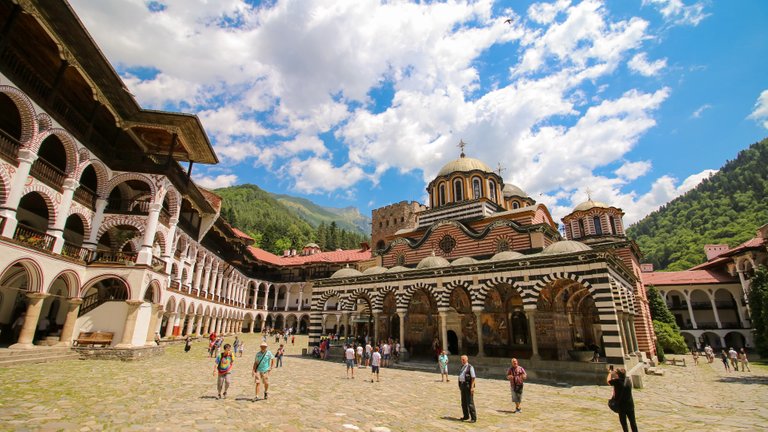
<point>690,310</point>
<point>287,297</point>
<point>26,158</point>
<point>206,280</point>
<point>145,254</point>
<point>714,310</point>
<point>98,219</point>
<point>277,294</point>
<point>444,330</point>
<point>57,230</point>
<point>27,335</point>
<point>531,314</point>
<point>266,296</point>
<point>479,325</point>
<point>301,297</point>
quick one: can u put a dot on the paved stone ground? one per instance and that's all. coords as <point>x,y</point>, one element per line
<point>177,392</point>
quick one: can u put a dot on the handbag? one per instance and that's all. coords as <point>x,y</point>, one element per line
<point>613,405</point>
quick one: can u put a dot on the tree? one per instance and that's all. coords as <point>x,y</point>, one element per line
<point>669,338</point>
<point>659,310</point>
<point>758,307</point>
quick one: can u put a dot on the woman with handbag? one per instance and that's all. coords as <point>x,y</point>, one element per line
<point>516,375</point>
<point>622,402</point>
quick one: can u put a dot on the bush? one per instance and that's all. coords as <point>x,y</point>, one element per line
<point>669,338</point>
<point>758,303</point>
<point>659,352</point>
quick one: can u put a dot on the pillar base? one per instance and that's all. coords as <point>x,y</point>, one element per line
<point>63,344</point>
<point>535,357</point>
<point>124,346</point>
<point>22,346</point>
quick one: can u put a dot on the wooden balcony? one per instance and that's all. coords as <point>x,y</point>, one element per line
<point>113,257</point>
<point>48,174</point>
<point>9,148</point>
<point>86,197</point>
<point>121,206</point>
<point>34,238</point>
<point>76,252</point>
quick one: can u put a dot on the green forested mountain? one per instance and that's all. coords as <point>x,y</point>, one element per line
<point>726,208</point>
<point>275,227</point>
<point>348,218</point>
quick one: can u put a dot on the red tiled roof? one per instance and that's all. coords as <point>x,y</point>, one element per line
<point>241,234</point>
<point>714,262</point>
<point>688,277</point>
<point>212,198</point>
<point>339,256</point>
<point>752,243</point>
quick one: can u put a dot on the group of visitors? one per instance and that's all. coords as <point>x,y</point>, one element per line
<point>734,358</point>
<point>263,364</point>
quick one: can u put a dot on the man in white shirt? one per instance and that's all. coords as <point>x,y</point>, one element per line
<point>349,356</point>
<point>368,351</point>
<point>467,387</point>
<point>385,350</point>
<point>359,356</point>
<point>375,362</point>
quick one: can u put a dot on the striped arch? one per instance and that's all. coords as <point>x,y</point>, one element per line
<point>100,278</point>
<point>44,122</point>
<point>381,294</point>
<point>191,308</point>
<point>157,294</point>
<point>29,121</point>
<point>319,302</point>
<point>170,304</point>
<point>102,173</point>
<point>558,276</point>
<point>34,272</point>
<point>348,302</point>
<point>409,290</point>
<point>466,285</point>
<point>121,220</point>
<point>492,283</point>
<point>5,183</point>
<point>71,279</point>
<point>174,198</point>
<point>49,198</point>
<point>70,147</point>
<point>160,236</point>
<point>84,218</point>
<point>124,177</point>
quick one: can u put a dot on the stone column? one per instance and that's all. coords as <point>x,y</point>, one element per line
<point>444,330</point>
<point>253,324</point>
<point>301,297</point>
<point>27,335</point>
<point>199,326</point>
<point>130,323</point>
<point>401,315</point>
<point>170,325</point>
<point>157,316</point>
<point>714,310</point>
<point>98,219</point>
<point>345,316</point>
<point>73,308</point>
<point>479,326</point>
<point>690,311</point>
<point>274,305</point>
<point>205,281</point>
<point>375,327</point>
<point>26,158</point>
<point>287,298</point>
<point>633,334</point>
<point>178,324</point>
<point>145,253</point>
<point>57,230</point>
<point>190,324</point>
<point>207,324</point>
<point>531,314</point>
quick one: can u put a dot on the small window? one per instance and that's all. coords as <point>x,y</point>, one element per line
<point>581,228</point>
<point>476,188</point>
<point>492,190</point>
<point>515,205</point>
<point>598,225</point>
<point>441,193</point>
<point>458,190</point>
<point>612,221</point>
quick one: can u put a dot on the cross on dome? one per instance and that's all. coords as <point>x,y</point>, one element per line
<point>461,145</point>
<point>500,169</point>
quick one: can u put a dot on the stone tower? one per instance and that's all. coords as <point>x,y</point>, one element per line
<point>385,221</point>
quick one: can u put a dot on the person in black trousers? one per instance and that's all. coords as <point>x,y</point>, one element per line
<point>622,394</point>
<point>467,380</point>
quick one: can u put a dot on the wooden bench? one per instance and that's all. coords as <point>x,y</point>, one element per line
<point>94,338</point>
<point>675,361</point>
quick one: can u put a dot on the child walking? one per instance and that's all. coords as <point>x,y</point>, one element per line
<point>223,369</point>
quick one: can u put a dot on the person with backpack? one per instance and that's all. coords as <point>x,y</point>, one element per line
<point>516,375</point>
<point>222,370</point>
<point>467,380</point>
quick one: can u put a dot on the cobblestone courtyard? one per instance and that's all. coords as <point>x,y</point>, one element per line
<point>177,392</point>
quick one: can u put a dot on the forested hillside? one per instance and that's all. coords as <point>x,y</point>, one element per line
<point>725,208</point>
<point>274,227</point>
<point>348,218</point>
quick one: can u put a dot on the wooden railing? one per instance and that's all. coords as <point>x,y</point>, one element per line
<point>122,206</point>
<point>90,303</point>
<point>75,252</point>
<point>9,147</point>
<point>47,173</point>
<point>113,257</point>
<point>158,264</point>
<point>34,238</point>
<point>175,285</point>
<point>86,197</point>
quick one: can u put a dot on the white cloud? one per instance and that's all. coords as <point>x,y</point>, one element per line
<point>220,181</point>
<point>700,110</point>
<point>676,12</point>
<point>760,113</point>
<point>633,170</point>
<point>640,64</point>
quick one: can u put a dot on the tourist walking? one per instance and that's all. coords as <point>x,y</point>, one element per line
<point>695,354</point>
<point>467,380</point>
<point>442,364</point>
<point>349,357</point>
<point>368,351</point>
<point>241,349</point>
<point>375,363</point>
<point>223,369</point>
<point>724,358</point>
<point>622,397</point>
<point>236,345</point>
<point>187,344</point>
<point>385,353</point>
<point>279,356</point>
<point>734,357</point>
<point>743,360</point>
<point>516,376</point>
<point>359,355</point>
<point>262,364</point>
<point>710,353</point>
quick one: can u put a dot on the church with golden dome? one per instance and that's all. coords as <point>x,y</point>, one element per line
<point>482,269</point>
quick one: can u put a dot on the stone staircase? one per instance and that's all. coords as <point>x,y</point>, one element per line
<point>40,354</point>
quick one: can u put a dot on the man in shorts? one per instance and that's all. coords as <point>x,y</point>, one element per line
<point>516,376</point>
<point>375,363</point>
<point>385,352</point>
<point>359,353</point>
<point>349,358</point>
<point>262,364</point>
<point>368,351</point>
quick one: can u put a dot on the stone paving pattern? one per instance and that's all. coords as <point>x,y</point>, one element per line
<point>177,392</point>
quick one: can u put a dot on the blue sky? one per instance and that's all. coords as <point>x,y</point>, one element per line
<point>360,102</point>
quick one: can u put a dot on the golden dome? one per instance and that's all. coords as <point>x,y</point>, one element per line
<point>511,190</point>
<point>433,262</point>
<point>565,246</point>
<point>464,164</point>
<point>589,204</point>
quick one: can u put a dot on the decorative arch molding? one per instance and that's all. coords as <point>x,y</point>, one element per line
<point>97,279</point>
<point>5,183</point>
<point>552,277</point>
<point>70,147</point>
<point>411,289</point>
<point>348,302</point>
<point>29,121</point>
<point>102,172</point>
<point>116,220</point>
<point>493,283</point>
<point>156,293</point>
<point>199,310</point>
<point>44,122</point>
<point>127,176</point>
<point>85,218</point>
<point>71,279</point>
<point>320,302</point>
<point>52,200</point>
<point>174,198</point>
<point>34,272</point>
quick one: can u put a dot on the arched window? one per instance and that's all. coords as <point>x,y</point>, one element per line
<point>598,225</point>
<point>477,190</point>
<point>612,221</point>
<point>492,190</point>
<point>458,190</point>
<point>581,228</point>
<point>441,193</point>
<point>515,205</point>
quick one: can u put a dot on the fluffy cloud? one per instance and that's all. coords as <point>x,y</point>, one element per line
<point>220,181</point>
<point>640,64</point>
<point>676,12</point>
<point>700,110</point>
<point>760,113</point>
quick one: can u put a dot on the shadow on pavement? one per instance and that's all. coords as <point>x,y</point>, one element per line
<point>748,379</point>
